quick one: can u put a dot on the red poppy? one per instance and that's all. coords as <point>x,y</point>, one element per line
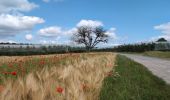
<point>14,73</point>
<point>42,62</point>
<point>59,89</point>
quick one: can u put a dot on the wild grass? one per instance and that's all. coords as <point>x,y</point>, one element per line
<point>159,54</point>
<point>76,77</point>
<point>133,82</point>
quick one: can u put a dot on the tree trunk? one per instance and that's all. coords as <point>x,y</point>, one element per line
<point>88,49</point>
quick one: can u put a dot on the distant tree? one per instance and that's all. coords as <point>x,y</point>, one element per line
<point>44,48</point>
<point>33,47</point>
<point>142,47</point>
<point>20,47</point>
<point>90,36</point>
<point>161,40</point>
<point>27,47</point>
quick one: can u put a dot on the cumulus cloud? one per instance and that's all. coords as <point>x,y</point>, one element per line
<point>12,21</point>
<point>112,33</point>
<point>164,29</point>
<point>11,25</point>
<point>28,37</point>
<point>16,5</point>
<point>70,31</point>
<point>91,23</point>
<point>58,31</point>
<point>50,31</point>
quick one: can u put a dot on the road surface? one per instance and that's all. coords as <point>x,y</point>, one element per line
<point>158,67</point>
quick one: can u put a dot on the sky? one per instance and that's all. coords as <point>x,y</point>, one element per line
<point>54,21</point>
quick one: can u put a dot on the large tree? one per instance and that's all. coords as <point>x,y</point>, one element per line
<point>161,40</point>
<point>90,36</point>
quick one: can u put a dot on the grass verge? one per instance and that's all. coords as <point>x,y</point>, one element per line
<point>159,54</point>
<point>134,82</point>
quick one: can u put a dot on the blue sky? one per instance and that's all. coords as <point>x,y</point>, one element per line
<point>128,21</point>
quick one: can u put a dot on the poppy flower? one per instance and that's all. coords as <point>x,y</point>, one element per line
<point>42,62</point>
<point>59,89</point>
<point>14,73</point>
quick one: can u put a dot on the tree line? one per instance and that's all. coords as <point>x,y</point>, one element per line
<point>31,50</point>
<point>140,47</point>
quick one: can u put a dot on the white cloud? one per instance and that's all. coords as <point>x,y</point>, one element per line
<point>111,33</point>
<point>54,31</point>
<point>16,5</point>
<point>165,30</point>
<point>70,31</point>
<point>91,23</point>
<point>48,41</point>
<point>58,42</point>
<point>46,1</point>
<point>28,37</point>
<point>11,25</point>
<point>50,31</point>
<point>9,41</point>
<point>13,21</point>
<point>109,45</point>
<point>43,41</point>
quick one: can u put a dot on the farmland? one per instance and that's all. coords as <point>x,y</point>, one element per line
<point>61,76</point>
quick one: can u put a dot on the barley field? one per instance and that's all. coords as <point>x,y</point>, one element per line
<point>54,77</point>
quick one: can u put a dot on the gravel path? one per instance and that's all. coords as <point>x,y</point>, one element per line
<point>159,67</point>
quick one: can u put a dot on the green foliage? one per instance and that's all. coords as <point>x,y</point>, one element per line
<point>31,50</point>
<point>162,46</point>
<point>142,47</point>
<point>134,82</point>
<point>161,40</point>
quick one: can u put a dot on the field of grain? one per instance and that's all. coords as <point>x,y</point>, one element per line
<point>54,77</point>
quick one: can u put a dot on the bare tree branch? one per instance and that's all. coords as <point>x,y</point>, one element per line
<point>90,36</point>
